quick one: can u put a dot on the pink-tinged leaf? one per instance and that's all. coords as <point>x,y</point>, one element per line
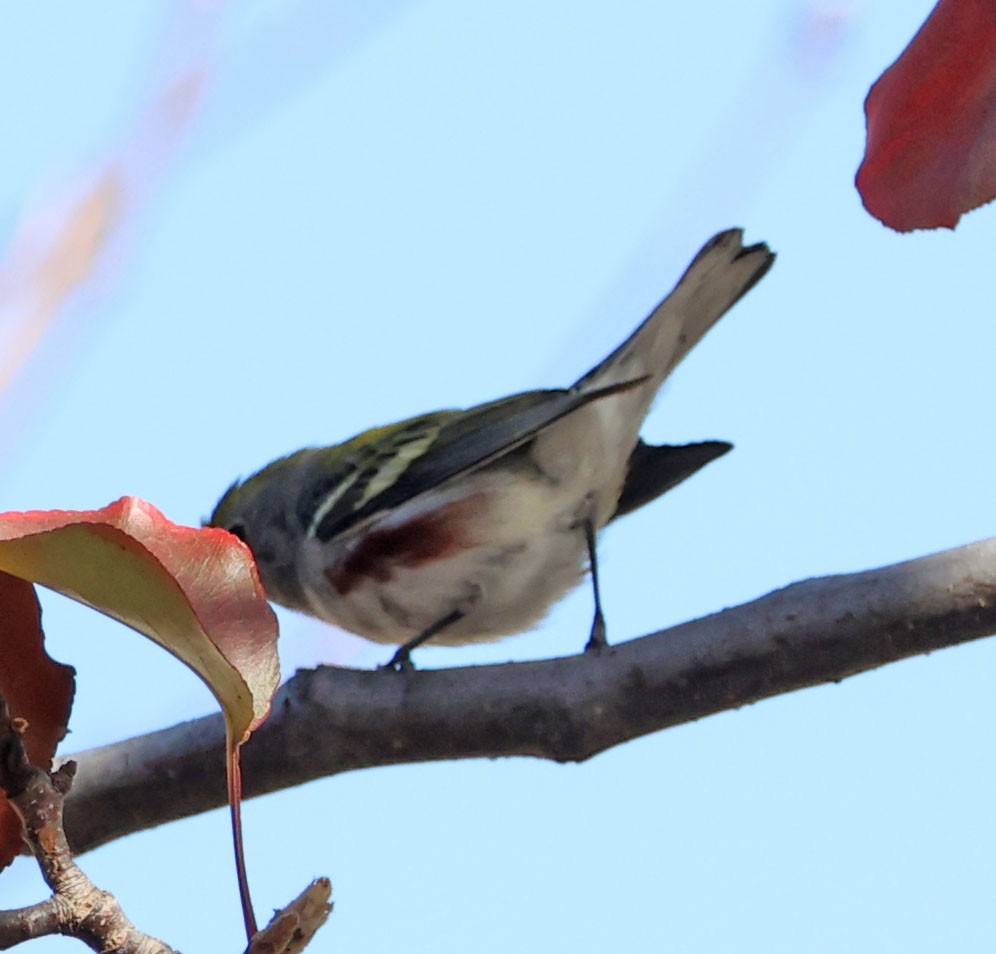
<point>194,591</point>
<point>37,689</point>
<point>931,122</point>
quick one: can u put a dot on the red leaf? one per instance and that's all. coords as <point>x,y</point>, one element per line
<point>931,122</point>
<point>37,689</point>
<point>194,591</point>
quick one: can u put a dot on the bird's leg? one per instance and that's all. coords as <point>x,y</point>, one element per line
<point>401,661</point>
<point>596,641</point>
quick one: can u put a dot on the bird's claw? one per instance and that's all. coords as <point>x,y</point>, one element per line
<point>401,661</point>
<point>597,641</point>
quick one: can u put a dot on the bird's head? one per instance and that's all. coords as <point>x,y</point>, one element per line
<point>260,512</point>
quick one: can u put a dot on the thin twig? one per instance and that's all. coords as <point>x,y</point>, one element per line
<point>77,907</point>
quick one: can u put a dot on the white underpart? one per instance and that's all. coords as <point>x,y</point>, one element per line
<point>528,551</point>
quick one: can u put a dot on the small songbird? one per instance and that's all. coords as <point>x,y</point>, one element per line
<point>465,526</point>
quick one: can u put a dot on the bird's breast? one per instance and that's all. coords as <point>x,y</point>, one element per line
<point>393,546</point>
<point>500,546</point>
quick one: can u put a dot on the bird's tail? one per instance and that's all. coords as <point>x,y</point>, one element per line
<point>722,273</point>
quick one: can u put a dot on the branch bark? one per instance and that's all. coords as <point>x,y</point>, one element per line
<point>817,631</point>
<point>77,907</point>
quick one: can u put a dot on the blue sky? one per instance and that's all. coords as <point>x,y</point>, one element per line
<point>380,209</point>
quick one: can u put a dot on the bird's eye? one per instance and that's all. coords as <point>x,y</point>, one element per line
<point>239,531</point>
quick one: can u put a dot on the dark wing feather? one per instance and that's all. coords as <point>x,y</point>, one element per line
<point>467,441</point>
<point>654,470</point>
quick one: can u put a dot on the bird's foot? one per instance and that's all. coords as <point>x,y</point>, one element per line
<point>597,641</point>
<point>401,661</point>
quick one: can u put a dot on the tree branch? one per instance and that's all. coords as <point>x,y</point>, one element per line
<point>77,908</point>
<point>569,709</point>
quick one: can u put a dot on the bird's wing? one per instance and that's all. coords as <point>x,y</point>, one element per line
<point>413,457</point>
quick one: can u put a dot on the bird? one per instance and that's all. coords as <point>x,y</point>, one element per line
<point>463,526</point>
